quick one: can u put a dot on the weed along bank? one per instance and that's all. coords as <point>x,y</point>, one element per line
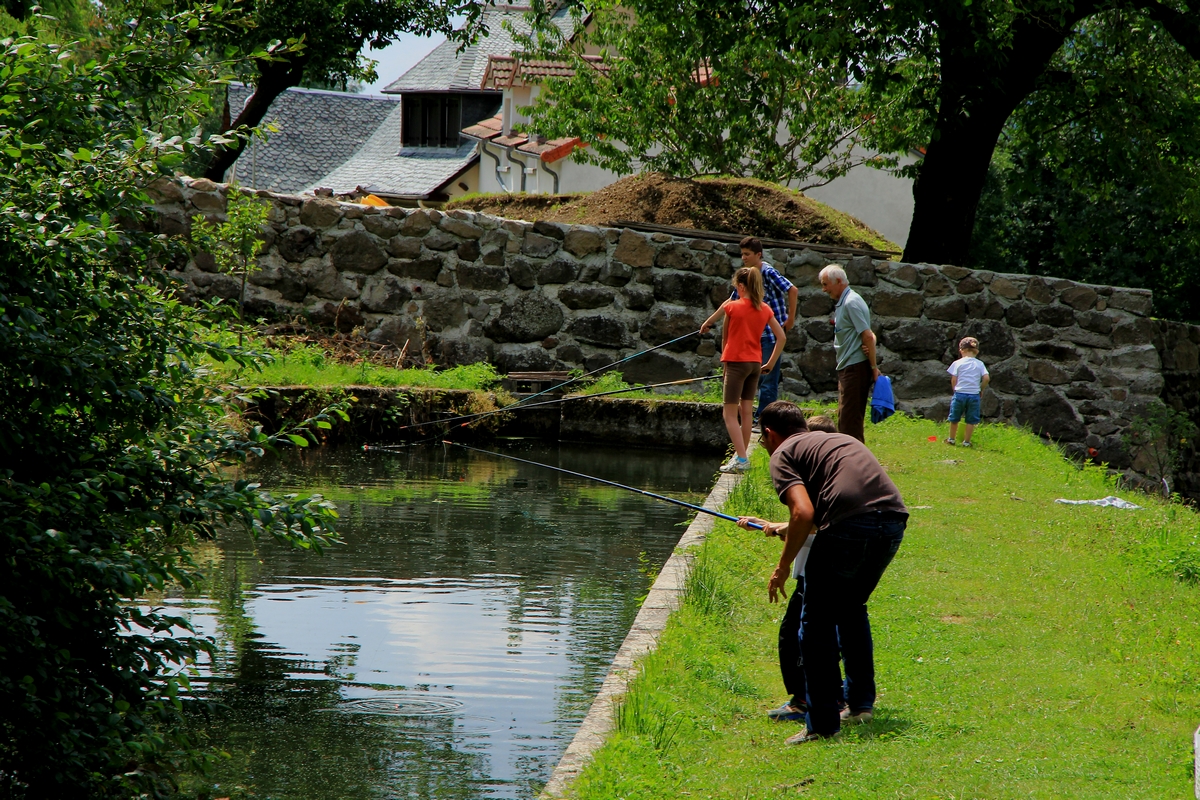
<point>1073,362</point>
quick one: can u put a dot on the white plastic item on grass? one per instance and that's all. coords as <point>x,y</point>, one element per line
<point>1114,502</point>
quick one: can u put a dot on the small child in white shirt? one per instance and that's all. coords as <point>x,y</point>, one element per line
<point>968,378</point>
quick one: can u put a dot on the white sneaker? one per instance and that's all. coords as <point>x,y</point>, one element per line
<point>738,464</point>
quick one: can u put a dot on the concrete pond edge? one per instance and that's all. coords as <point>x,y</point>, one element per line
<point>663,599</point>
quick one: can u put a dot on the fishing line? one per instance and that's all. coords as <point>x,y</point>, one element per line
<point>516,407</point>
<point>663,497</point>
<point>524,401</point>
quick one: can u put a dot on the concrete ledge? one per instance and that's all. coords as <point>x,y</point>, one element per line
<point>664,598</point>
<point>1196,750</point>
<point>382,412</point>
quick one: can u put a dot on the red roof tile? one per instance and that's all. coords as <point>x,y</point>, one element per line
<point>507,71</point>
<point>484,129</point>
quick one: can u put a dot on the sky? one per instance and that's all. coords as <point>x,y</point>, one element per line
<point>395,59</point>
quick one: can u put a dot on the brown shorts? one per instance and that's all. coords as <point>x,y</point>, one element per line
<point>741,380</point>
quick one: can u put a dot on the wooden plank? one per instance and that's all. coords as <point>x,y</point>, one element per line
<point>734,238</point>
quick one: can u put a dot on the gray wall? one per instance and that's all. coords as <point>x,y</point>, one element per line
<point>1074,362</point>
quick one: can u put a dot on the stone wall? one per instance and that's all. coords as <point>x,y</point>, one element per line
<point>1073,362</point>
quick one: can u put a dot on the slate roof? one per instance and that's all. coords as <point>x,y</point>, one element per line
<point>447,70</point>
<point>319,131</point>
<point>381,167</point>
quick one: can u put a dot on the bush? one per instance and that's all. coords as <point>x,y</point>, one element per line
<point>113,455</point>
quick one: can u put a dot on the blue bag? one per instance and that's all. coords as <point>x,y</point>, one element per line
<point>883,402</point>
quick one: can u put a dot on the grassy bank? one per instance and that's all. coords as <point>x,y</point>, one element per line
<point>1024,648</point>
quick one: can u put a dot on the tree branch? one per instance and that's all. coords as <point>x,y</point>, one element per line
<point>274,78</point>
<point>1184,28</point>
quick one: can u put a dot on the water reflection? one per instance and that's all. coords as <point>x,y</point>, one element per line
<point>450,648</point>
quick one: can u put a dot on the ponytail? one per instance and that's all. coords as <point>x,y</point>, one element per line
<point>752,280</point>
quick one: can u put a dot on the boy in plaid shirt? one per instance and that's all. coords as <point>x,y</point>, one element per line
<point>780,295</point>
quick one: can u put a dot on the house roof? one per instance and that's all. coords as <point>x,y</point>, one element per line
<point>318,131</point>
<point>383,168</point>
<point>548,150</point>
<point>504,72</point>
<point>446,69</point>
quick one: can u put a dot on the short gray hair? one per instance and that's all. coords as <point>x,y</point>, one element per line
<point>835,274</point>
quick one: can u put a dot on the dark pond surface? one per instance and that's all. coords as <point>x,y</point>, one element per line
<point>452,646</point>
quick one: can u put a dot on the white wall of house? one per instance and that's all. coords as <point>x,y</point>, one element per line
<point>880,199</point>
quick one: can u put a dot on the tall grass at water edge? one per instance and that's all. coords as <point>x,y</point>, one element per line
<point>311,365</point>
<point>1023,648</point>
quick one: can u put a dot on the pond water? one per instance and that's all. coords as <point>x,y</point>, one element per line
<point>452,645</point>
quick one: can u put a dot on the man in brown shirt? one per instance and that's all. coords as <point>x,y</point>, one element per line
<point>835,487</point>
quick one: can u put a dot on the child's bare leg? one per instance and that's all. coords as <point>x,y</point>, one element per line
<point>968,429</point>
<point>734,428</point>
<point>954,430</point>
<point>747,409</point>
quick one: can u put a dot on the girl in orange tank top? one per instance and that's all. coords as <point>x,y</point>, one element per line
<point>741,354</point>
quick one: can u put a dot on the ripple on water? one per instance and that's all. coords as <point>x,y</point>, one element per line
<point>401,704</point>
<point>419,715</point>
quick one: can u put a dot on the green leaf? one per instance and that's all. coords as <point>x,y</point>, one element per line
<point>297,440</point>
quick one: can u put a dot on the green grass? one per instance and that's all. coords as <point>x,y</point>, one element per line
<point>1024,648</point>
<point>308,365</point>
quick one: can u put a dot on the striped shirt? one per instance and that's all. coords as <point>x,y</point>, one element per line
<point>775,291</point>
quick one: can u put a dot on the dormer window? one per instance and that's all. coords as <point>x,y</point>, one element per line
<point>431,120</point>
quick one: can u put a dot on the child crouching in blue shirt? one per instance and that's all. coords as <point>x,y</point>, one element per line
<point>968,378</point>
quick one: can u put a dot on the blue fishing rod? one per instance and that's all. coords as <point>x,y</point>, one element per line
<point>662,497</point>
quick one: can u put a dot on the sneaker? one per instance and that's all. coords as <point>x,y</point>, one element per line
<point>786,713</point>
<point>737,465</point>
<point>808,736</point>
<point>966,444</point>
<point>950,442</point>
<point>857,717</point>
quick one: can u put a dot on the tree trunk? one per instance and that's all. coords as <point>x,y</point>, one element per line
<point>980,89</point>
<point>946,192</point>
<point>274,78</point>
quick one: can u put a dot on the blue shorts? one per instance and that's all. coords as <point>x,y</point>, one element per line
<point>965,405</point>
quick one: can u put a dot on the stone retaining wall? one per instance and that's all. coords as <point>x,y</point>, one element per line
<point>1072,361</point>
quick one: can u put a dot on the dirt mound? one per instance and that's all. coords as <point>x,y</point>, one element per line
<point>729,205</point>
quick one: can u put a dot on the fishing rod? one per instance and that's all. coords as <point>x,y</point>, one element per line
<point>610,366</point>
<point>515,406</point>
<point>524,401</point>
<point>663,497</point>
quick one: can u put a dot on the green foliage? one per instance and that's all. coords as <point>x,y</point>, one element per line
<point>1097,177</point>
<point>234,243</point>
<point>698,89</point>
<point>114,452</point>
<point>1161,435</point>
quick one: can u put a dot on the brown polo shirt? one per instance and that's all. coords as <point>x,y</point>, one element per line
<point>842,476</point>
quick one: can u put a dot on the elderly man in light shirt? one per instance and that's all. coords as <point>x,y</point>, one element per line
<point>854,343</point>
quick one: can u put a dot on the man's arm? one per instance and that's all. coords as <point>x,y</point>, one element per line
<point>868,347</point>
<point>800,524</point>
<point>792,294</point>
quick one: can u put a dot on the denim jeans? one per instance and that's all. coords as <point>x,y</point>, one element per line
<point>791,664</point>
<point>768,385</point>
<point>845,565</point>
<point>965,405</point>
